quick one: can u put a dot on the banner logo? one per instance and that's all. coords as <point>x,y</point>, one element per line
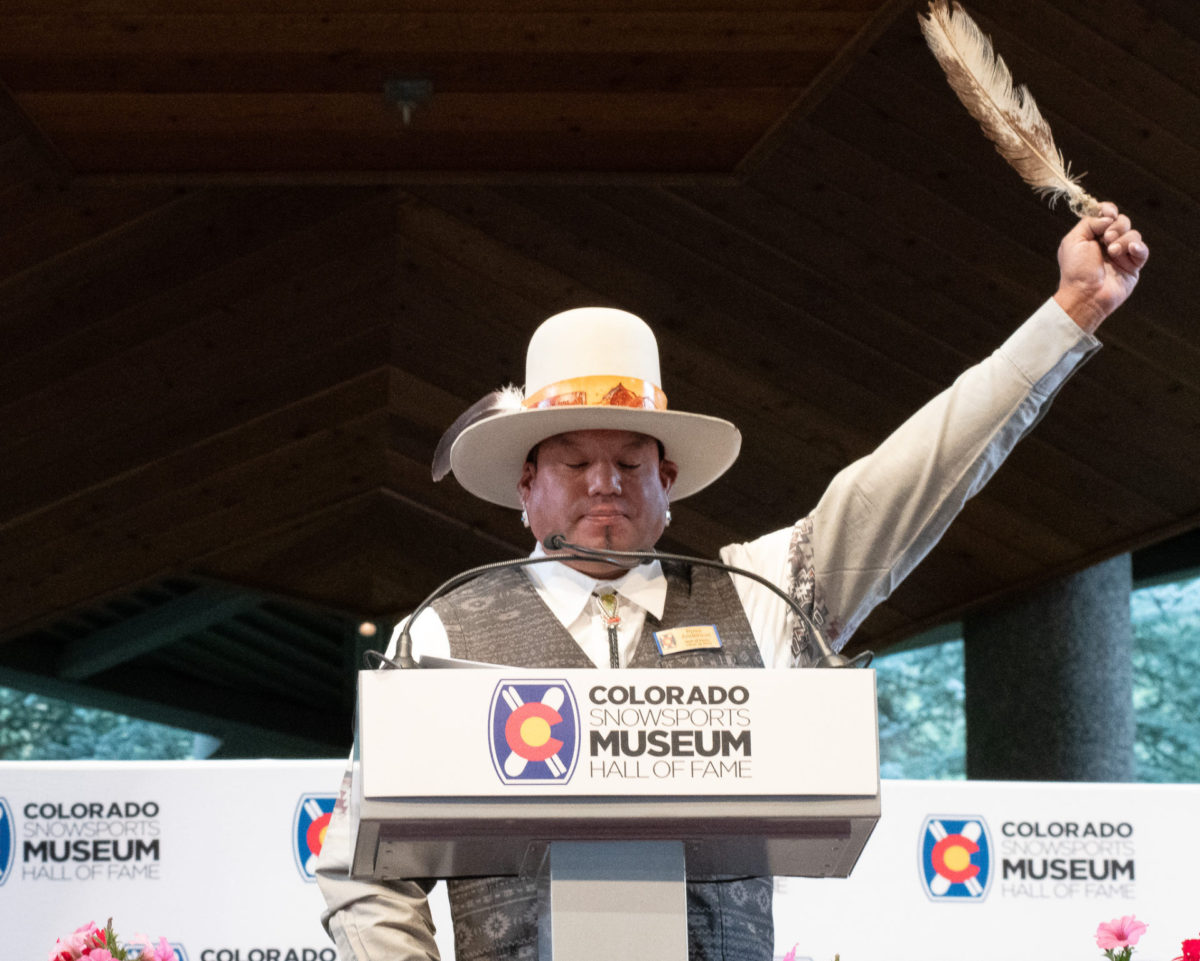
<point>533,731</point>
<point>956,858</point>
<point>313,812</point>
<point>8,842</point>
<point>177,950</point>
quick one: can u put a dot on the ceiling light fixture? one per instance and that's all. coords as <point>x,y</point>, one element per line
<point>407,96</point>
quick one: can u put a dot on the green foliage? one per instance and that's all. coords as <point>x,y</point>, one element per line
<point>922,724</point>
<point>34,728</point>
<point>1166,672</point>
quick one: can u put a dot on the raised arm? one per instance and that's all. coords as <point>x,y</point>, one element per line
<point>882,514</point>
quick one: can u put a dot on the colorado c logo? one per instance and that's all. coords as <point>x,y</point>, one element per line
<point>533,731</point>
<point>7,844</point>
<point>313,812</point>
<point>956,861</point>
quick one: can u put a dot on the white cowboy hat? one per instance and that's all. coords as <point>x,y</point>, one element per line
<point>592,368</point>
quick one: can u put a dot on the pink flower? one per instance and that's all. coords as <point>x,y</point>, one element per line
<point>83,942</point>
<point>1119,932</point>
<point>791,955</point>
<point>150,952</point>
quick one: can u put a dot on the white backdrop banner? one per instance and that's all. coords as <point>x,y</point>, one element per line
<point>217,857</point>
<point>1003,870</point>
<point>214,856</point>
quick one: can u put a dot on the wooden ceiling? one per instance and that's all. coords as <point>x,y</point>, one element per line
<point>255,257</point>
<point>378,88</point>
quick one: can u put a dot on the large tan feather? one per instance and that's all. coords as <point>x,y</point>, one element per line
<point>1008,115</point>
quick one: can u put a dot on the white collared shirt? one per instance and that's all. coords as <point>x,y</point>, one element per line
<point>571,597</point>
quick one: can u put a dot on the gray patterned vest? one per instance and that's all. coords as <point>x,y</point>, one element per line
<point>500,618</point>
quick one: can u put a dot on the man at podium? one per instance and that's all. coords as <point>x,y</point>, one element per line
<point>591,452</point>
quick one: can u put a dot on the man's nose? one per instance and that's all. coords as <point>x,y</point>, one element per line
<point>604,478</point>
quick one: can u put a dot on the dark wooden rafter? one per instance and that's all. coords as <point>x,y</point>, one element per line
<point>156,627</point>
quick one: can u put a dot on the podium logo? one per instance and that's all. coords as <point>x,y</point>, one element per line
<point>309,824</point>
<point>956,858</point>
<point>533,731</point>
<point>7,840</point>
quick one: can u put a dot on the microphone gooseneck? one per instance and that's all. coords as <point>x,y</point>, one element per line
<point>404,659</point>
<point>828,656</point>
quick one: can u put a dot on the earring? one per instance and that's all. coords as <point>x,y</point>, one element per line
<point>667,518</point>
<point>524,517</point>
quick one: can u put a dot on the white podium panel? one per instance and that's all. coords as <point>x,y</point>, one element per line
<point>463,773</point>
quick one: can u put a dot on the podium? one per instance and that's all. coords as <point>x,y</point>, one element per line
<point>613,787</point>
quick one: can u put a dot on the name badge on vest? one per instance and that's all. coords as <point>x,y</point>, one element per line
<point>677,640</point>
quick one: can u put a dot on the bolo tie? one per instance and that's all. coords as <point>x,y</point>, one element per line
<point>612,620</point>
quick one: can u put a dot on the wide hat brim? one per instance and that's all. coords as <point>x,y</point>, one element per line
<point>487,458</point>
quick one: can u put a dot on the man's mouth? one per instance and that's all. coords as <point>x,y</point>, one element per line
<point>603,516</point>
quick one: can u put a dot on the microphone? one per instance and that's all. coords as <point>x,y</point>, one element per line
<point>829,657</point>
<point>559,542</point>
<point>404,659</point>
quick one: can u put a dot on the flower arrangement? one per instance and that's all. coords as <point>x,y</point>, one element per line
<point>101,944</point>
<point>1191,950</point>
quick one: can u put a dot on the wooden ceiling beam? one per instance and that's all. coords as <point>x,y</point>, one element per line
<point>698,29</point>
<point>156,627</point>
<point>49,165</point>
<point>448,71</point>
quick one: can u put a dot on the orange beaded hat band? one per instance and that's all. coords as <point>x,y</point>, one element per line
<point>593,368</point>
<point>599,390</point>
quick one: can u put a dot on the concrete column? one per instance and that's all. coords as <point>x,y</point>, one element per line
<point>1049,682</point>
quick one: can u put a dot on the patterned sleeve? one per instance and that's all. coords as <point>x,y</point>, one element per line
<point>806,591</point>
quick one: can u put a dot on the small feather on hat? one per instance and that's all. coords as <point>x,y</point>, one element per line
<point>502,401</point>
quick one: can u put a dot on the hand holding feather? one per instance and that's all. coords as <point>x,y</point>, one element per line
<point>1099,261</point>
